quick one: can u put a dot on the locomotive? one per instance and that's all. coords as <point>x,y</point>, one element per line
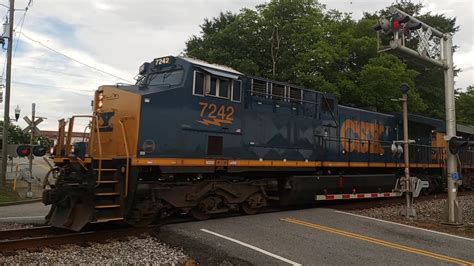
<point>196,138</point>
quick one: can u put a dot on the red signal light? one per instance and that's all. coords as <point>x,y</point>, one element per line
<point>23,150</point>
<point>396,24</point>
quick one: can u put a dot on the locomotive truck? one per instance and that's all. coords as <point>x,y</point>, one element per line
<point>197,138</point>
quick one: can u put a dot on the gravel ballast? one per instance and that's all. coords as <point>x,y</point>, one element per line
<point>13,226</point>
<point>429,215</point>
<point>142,250</point>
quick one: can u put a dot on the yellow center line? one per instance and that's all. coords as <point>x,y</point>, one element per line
<point>378,241</point>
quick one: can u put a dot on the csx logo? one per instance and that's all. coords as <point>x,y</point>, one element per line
<point>356,136</point>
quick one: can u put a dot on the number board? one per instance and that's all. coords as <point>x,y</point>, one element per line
<point>167,60</point>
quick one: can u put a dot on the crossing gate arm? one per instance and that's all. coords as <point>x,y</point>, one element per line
<point>357,196</point>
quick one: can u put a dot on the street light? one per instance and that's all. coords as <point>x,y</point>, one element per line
<point>17,113</point>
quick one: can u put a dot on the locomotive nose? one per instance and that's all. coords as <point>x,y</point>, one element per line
<point>69,209</point>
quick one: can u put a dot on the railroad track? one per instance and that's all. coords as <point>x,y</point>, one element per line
<point>38,238</point>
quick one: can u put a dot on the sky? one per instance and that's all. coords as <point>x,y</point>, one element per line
<point>117,36</point>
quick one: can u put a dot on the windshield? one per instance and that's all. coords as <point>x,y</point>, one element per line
<point>173,77</point>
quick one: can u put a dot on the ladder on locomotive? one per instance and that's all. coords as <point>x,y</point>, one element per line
<point>108,200</point>
<point>109,189</point>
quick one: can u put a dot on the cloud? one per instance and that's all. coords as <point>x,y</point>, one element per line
<point>117,36</point>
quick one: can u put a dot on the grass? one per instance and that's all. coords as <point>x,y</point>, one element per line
<point>8,195</point>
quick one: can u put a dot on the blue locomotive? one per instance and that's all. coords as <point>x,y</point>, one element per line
<point>198,138</point>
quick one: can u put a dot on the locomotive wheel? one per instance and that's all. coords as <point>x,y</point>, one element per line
<point>253,203</point>
<point>247,209</point>
<point>205,206</point>
<point>199,214</point>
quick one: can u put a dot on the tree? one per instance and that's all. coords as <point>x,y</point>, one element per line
<point>465,106</point>
<point>300,42</point>
<point>16,134</point>
<point>380,81</point>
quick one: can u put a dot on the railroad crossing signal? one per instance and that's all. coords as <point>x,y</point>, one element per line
<point>444,44</point>
<point>32,126</point>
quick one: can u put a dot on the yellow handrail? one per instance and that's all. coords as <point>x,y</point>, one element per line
<point>99,176</point>
<point>127,154</point>
<point>67,147</point>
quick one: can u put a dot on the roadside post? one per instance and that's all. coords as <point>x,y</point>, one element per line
<point>402,28</point>
<point>33,129</point>
<point>409,210</point>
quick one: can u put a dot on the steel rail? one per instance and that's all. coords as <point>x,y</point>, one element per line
<point>11,246</point>
<point>30,232</point>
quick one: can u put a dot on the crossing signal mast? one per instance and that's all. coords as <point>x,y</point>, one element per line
<point>410,38</point>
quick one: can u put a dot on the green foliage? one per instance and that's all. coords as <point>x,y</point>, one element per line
<point>300,42</point>
<point>380,81</point>
<point>465,107</point>
<point>44,141</point>
<point>8,195</point>
<point>16,134</point>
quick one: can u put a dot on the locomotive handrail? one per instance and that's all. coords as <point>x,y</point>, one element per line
<point>126,152</point>
<point>99,175</point>
<point>68,146</point>
<point>61,134</point>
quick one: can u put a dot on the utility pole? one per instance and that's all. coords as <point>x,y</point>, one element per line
<point>6,112</point>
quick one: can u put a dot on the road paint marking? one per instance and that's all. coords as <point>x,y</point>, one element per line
<point>23,217</point>
<point>378,241</point>
<point>409,226</point>
<point>253,247</point>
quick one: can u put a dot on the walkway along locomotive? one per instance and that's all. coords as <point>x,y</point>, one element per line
<point>198,138</point>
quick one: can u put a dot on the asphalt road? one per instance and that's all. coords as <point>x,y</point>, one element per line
<point>315,237</point>
<point>31,213</point>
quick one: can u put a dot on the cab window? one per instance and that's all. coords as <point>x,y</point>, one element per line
<point>209,85</point>
<point>236,90</point>
<point>166,78</point>
<point>199,83</point>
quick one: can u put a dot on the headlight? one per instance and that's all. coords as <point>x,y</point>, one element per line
<point>100,100</point>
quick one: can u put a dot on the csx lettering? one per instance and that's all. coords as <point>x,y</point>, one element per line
<point>356,136</point>
<point>212,114</point>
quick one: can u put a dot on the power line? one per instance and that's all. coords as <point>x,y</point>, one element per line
<point>47,86</point>
<point>19,34</point>
<point>75,60</point>
<point>5,59</point>
<point>30,2</point>
<point>60,72</point>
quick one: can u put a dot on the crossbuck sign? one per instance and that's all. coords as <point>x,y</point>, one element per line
<point>32,126</point>
<point>423,44</point>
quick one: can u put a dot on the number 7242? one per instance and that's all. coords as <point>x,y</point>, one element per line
<point>217,113</point>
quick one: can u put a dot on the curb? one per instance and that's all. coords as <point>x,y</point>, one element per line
<point>19,202</point>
